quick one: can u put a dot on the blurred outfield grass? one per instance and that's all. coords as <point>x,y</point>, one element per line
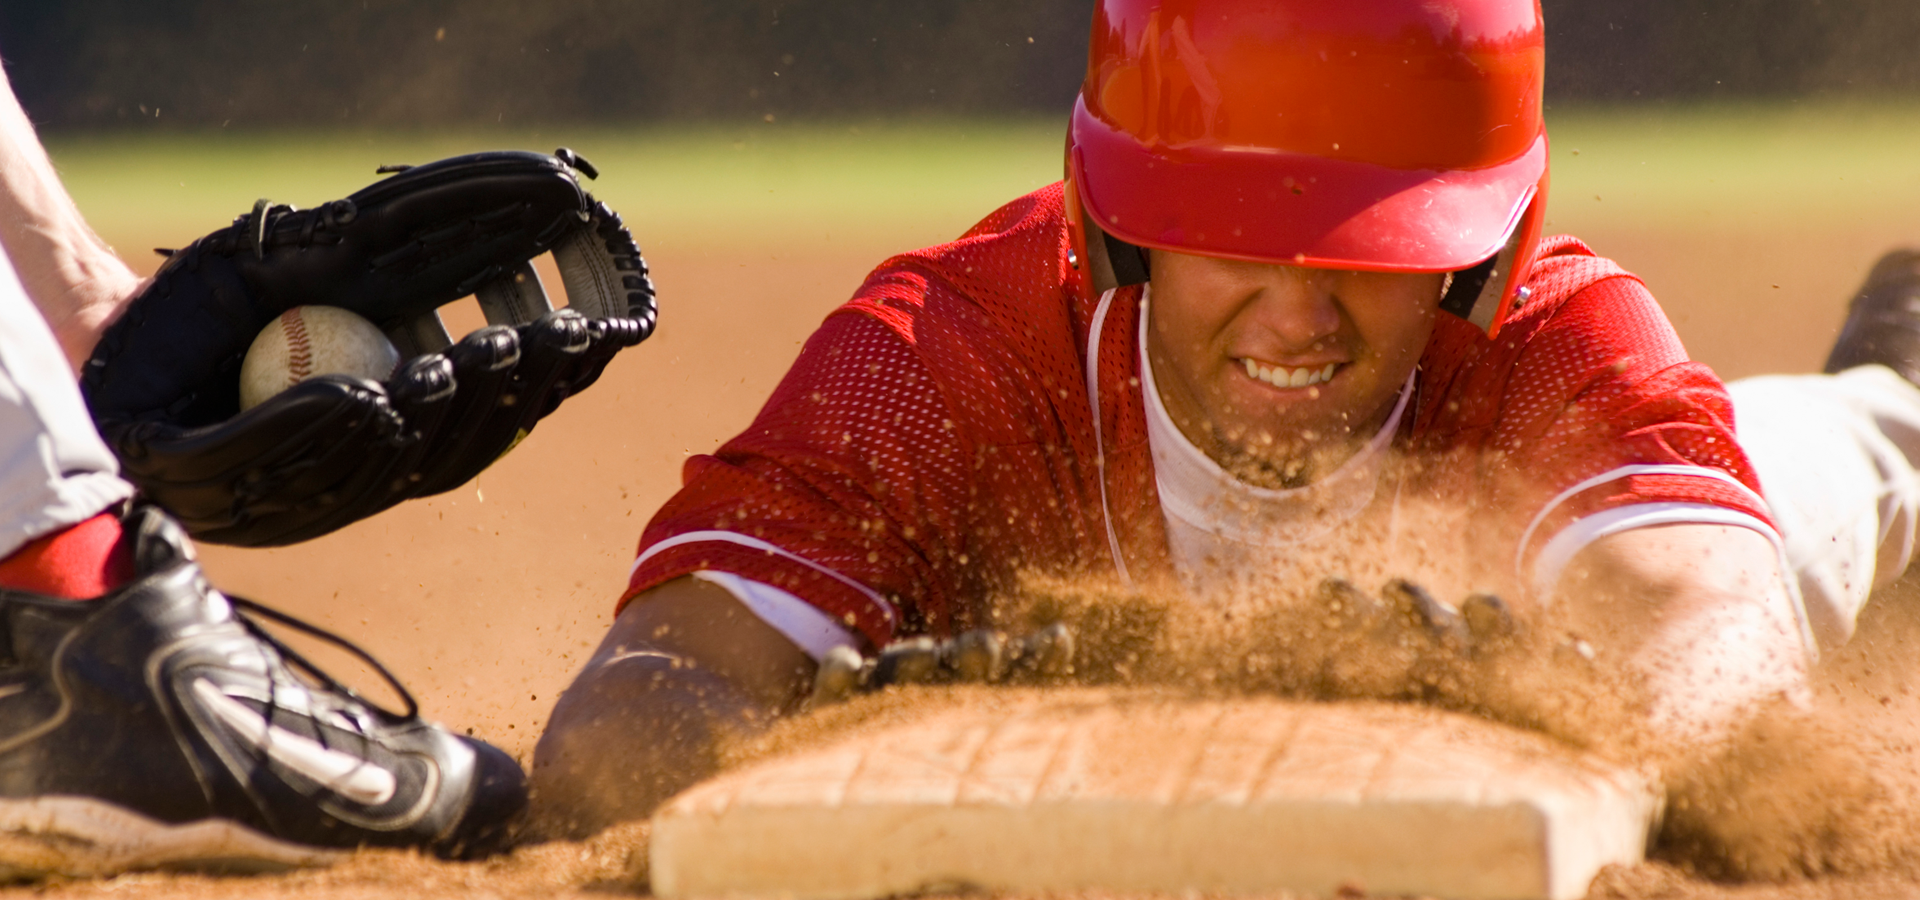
<point>1734,167</point>
<point>702,184</point>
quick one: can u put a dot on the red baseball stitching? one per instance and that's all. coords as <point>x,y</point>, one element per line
<point>299,350</point>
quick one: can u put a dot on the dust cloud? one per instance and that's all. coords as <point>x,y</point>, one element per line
<point>1802,790</point>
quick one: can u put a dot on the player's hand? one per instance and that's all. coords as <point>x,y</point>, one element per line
<point>1402,638</point>
<point>981,656</point>
<point>1407,615</point>
<point>163,383</point>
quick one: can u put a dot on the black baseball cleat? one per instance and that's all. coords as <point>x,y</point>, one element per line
<point>161,726</point>
<point>1883,325</point>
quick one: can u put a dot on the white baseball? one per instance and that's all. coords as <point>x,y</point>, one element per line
<point>309,341</point>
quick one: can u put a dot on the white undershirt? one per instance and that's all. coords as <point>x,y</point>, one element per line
<point>1223,532</point>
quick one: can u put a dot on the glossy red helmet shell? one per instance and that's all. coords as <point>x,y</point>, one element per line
<point>1381,135</point>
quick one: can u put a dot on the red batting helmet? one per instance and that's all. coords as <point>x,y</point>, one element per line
<point>1380,135</point>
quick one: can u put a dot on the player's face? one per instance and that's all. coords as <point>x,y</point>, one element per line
<point>1279,373</point>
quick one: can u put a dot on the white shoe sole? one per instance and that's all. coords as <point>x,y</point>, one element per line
<point>81,837</point>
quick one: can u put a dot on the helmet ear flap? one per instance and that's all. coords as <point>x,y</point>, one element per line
<point>1100,261</point>
<point>1466,294</point>
<point>1129,261</point>
<point>1488,292</point>
<point>1478,293</point>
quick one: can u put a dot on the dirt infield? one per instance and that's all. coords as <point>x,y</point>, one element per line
<point>486,599</point>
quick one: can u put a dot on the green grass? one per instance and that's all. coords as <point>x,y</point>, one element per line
<point>1735,166</point>
<point>1722,166</point>
<point>696,184</point>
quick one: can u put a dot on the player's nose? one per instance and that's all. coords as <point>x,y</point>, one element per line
<point>1298,306</point>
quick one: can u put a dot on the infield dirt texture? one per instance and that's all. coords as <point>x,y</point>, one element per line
<point>1752,225</point>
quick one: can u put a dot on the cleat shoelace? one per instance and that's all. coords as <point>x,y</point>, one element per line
<point>248,608</point>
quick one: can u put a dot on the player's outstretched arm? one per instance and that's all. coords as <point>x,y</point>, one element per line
<point>73,277</point>
<point>1702,617</point>
<point>683,664</point>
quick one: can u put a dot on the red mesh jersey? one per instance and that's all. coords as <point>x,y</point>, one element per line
<point>940,433</point>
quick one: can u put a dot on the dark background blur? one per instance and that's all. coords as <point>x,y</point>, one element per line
<point>252,63</point>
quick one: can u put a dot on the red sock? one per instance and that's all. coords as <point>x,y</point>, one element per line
<point>79,563</point>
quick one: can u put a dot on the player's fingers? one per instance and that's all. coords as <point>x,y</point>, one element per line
<point>912,661</point>
<point>1440,622</point>
<point>840,674</point>
<point>1349,608</point>
<point>1047,654</point>
<point>978,656</point>
<point>1489,621</point>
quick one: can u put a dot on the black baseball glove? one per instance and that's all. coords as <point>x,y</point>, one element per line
<point>163,383</point>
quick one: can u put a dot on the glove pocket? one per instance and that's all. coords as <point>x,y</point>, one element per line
<point>300,464</point>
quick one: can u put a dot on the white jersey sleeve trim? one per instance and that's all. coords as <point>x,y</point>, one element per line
<point>734,537</point>
<point>1526,537</point>
<point>1578,535</point>
<point>804,624</point>
<point>1582,533</point>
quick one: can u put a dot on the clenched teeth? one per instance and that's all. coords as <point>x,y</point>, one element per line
<point>1281,376</point>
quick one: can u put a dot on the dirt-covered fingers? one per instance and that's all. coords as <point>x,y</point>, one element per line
<point>978,656</point>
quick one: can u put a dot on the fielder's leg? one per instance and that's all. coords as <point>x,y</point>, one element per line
<point>155,723</point>
<point>54,471</point>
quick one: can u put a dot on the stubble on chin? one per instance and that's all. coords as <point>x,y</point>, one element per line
<point>1265,461</point>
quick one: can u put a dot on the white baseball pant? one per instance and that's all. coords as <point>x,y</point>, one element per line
<point>54,470</point>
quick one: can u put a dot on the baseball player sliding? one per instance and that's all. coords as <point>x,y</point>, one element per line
<point>1292,289</point>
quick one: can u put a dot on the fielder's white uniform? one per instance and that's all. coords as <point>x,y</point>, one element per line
<point>54,470</point>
